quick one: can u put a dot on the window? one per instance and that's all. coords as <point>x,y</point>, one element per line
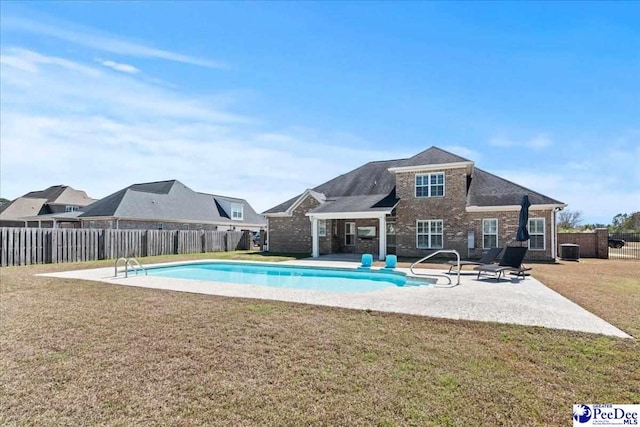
<point>71,208</point>
<point>429,234</point>
<point>536,234</point>
<point>185,226</point>
<point>160,226</point>
<point>430,185</point>
<point>489,233</point>
<point>236,212</point>
<point>322,227</point>
<point>349,233</point>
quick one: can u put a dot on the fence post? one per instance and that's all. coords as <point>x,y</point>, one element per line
<point>602,243</point>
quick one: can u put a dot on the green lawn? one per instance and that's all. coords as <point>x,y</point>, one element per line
<point>79,352</point>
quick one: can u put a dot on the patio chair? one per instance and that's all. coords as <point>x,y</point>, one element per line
<point>390,263</point>
<point>488,258</point>
<point>367,262</point>
<point>511,261</point>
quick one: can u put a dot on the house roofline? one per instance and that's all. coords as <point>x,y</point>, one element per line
<point>440,166</point>
<point>350,215</point>
<point>513,208</point>
<point>278,214</point>
<point>298,202</point>
<point>190,221</point>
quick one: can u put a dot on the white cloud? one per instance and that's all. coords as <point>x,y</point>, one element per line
<point>597,190</point>
<point>501,142</point>
<point>465,152</point>
<point>125,68</point>
<point>69,123</point>
<point>536,142</point>
<point>102,41</point>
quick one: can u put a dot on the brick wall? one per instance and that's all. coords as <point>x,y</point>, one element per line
<point>592,245</point>
<point>450,209</point>
<point>293,233</point>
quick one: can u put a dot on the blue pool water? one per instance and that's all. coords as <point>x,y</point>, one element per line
<point>281,276</point>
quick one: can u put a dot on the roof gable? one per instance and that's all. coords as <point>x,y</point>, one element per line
<point>432,156</point>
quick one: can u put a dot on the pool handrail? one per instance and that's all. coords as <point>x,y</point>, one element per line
<point>128,262</point>
<point>440,251</point>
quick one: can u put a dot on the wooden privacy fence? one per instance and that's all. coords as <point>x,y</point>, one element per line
<point>24,246</point>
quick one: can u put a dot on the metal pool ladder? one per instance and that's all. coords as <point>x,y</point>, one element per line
<point>129,262</point>
<point>441,251</point>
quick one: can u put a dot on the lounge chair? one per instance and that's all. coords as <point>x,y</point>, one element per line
<point>511,261</point>
<point>488,258</point>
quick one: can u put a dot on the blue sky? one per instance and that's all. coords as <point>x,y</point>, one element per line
<point>263,100</point>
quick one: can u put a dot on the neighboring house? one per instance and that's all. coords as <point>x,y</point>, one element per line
<point>57,206</point>
<point>410,207</point>
<point>170,205</point>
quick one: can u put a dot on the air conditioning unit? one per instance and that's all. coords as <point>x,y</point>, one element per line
<point>570,252</point>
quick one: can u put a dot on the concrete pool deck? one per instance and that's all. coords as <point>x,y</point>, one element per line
<point>512,301</point>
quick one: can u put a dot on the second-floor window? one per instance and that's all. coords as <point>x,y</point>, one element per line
<point>430,185</point>
<point>71,208</point>
<point>237,212</point>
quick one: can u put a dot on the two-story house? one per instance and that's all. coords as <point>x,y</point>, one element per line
<point>410,207</point>
<point>57,206</point>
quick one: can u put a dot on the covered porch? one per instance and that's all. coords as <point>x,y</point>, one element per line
<point>352,233</point>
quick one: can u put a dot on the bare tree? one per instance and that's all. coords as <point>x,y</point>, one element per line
<point>568,219</point>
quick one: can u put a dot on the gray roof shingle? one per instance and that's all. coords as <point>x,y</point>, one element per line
<point>51,193</point>
<point>170,201</point>
<point>487,189</point>
<point>372,178</point>
<point>376,202</point>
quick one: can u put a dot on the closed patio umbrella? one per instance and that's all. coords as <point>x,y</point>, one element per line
<point>523,234</point>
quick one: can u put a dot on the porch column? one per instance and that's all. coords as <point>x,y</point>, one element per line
<point>383,238</point>
<point>315,242</point>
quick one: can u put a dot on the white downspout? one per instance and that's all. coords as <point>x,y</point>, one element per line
<point>315,241</point>
<point>266,243</point>
<point>554,234</point>
<point>383,238</point>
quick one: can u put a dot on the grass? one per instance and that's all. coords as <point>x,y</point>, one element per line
<point>79,352</point>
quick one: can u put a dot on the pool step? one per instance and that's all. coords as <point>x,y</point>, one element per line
<point>419,282</point>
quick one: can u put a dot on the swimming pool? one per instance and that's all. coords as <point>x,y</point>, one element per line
<point>286,276</point>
